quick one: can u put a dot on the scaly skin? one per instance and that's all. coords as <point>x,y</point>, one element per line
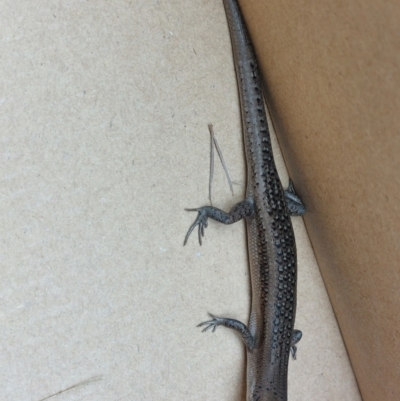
<point>270,335</point>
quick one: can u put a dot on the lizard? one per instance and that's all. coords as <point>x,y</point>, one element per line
<point>270,336</point>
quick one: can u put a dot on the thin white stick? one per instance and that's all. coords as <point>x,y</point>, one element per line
<point>221,157</point>
<point>83,383</point>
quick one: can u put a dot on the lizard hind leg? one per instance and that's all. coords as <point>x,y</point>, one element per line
<point>234,324</point>
<point>294,204</point>
<point>239,211</point>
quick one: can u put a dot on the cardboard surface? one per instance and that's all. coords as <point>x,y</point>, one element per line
<point>104,113</point>
<point>332,73</point>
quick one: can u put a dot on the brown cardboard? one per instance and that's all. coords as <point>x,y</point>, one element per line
<point>333,85</point>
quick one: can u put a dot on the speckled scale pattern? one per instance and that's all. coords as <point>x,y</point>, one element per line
<point>269,335</point>
<point>270,234</point>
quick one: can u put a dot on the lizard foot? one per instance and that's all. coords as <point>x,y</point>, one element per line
<point>200,221</point>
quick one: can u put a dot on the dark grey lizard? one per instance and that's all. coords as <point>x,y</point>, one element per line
<point>270,335</point>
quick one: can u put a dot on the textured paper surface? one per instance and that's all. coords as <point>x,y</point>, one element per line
<point>104,113</point>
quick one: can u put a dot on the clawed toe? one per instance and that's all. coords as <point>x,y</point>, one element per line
<point>200,221</point>
<point>213,323</point>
